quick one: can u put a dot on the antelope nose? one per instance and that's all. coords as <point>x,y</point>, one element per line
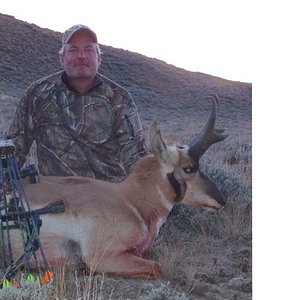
<point>221,200</point>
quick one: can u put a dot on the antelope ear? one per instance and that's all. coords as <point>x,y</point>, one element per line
<point>158,145</point>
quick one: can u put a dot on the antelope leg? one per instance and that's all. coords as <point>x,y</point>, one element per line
<point>127,265</point>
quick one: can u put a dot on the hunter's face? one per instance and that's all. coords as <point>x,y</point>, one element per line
<point>80,58</point>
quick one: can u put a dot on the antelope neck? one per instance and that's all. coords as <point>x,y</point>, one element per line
<point>177,186</point>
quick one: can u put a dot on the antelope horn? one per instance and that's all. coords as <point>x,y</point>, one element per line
<point>208,136</point>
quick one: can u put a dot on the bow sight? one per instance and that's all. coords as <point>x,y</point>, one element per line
<point>18,223</point>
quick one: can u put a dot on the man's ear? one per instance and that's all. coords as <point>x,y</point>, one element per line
<point>61,59</point>
<point>99,60</point>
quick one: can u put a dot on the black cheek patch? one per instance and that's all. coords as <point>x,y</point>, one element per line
<point>178,186</point>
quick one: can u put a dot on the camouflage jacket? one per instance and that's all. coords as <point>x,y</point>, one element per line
<point>97,134</point>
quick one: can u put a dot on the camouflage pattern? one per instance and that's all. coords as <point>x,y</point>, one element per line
<point>69,33</point>
<point>97,134</point>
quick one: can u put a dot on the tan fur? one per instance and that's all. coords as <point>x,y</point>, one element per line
<point>109,226</point>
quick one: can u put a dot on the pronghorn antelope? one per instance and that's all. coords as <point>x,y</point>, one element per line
<point>109,226</point>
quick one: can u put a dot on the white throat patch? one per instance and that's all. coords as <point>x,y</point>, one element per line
<point>164,201</point>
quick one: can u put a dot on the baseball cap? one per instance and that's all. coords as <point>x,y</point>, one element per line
<point>69,33</point>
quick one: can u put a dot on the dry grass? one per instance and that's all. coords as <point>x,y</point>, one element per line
<point>203,255</point>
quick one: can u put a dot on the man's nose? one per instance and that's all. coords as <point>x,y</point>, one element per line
<point>81,53</point>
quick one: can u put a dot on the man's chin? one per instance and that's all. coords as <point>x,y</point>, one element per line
<point>82,76</point>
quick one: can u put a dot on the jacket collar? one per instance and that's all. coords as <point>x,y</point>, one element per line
<point>97,82</point>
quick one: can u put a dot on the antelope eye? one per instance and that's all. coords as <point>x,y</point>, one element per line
<point>181,147</point>
<point>189,170</point>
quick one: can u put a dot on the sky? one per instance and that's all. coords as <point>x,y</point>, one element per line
<point>208,36</point>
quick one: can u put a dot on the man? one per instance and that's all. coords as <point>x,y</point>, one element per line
<point>82,122</point>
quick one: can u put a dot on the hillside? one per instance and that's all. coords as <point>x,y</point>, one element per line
<point>161,91</point>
